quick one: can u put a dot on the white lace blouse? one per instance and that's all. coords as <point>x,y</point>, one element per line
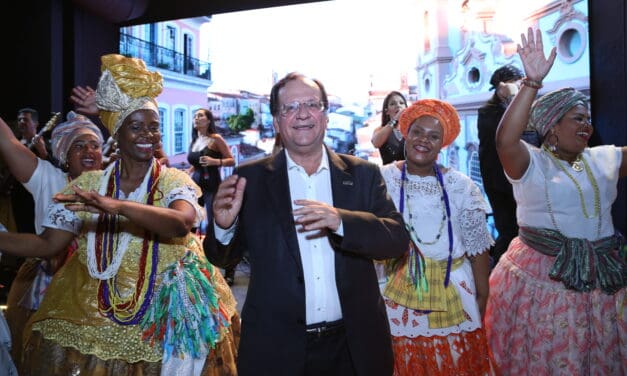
<point>470,237</point>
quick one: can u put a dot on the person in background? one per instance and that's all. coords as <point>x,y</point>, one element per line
<point>208,153</point>
<point>76,145</point>
<point>557,296</point>
<point>22,201</point>
<point>436,293</point>
<point>139,297</point>
<point>505,82</point>
<point>312,222</point>
<point>388,138</point>
<point>28,124</point>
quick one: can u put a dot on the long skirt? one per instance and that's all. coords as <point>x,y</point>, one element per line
<point>462,354</point>
<point>535,326</point>
<point>44,357</point>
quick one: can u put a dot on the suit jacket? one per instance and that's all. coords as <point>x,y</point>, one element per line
<point>494,179</point>
<point>273,318</point>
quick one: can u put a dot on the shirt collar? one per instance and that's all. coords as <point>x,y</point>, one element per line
<point>324,163</point>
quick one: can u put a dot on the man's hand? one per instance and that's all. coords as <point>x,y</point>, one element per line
<point>228,200</point>
<point>315,215</point>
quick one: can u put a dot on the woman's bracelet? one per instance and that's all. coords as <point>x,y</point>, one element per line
<point>392,123</point>
<point>532,84</point>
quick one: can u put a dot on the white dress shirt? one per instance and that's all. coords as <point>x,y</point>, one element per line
<point>317,255</point>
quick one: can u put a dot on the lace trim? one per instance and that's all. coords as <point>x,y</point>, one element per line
<point>60,218</point>
<point>105,342</point>
<point>475,235</point>
<point>185,193</point>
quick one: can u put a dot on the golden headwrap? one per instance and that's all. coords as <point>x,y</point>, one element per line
<point>445,114</point>
<point>125,86</point>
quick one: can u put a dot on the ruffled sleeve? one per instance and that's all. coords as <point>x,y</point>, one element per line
<point>179,186</point>
<point>472,214</point>
<point>58,217</point>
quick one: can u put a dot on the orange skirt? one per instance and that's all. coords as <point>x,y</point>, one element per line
<point>466,353</point>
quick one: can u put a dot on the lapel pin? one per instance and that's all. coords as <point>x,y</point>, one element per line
<point>347,182</point>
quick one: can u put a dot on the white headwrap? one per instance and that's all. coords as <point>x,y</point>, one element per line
<point>64,134</point>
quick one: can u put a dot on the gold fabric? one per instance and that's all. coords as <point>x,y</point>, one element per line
<point>132,76</point>
<point>69,312</point>
<point>125,86</point>
<point>43,357</point>
<point>443,302</point>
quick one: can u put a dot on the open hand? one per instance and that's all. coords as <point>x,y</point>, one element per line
<point>88,201</point>
<point>84,100</point>
<point>531,53</point>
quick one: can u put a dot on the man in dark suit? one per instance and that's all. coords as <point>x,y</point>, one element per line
<point>312,222</point>
<point>504,81</point>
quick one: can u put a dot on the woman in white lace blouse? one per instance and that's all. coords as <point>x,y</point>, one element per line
<point>436,294</point>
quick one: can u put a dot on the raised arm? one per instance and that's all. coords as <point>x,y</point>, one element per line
<point>380,135</point>
<point>227,159</point>
<point>84,100</point>
<point>20,160</point>
<point>512,152</point>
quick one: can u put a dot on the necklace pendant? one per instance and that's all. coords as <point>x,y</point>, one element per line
<point>577,166</point>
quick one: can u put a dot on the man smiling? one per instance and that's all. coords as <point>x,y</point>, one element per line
<point>312,222</point>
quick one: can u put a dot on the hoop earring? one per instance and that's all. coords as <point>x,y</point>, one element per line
<point>552,146</point>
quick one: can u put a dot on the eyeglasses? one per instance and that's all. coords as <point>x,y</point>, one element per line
<point>294,107</point>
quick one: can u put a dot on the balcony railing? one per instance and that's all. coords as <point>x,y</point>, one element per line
<point>163,58</point>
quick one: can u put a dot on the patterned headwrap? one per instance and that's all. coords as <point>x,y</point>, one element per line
<point>547,110</point>
<point>125,86</point>
<point>64,134</point>
<point>445,114</point>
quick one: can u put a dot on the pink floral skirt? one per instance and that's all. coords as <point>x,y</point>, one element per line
<point>535,326</point>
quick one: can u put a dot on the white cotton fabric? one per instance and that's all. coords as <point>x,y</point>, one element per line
<point>529,191</point>
<point>470,237</point>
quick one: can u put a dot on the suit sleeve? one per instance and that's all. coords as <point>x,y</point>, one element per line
<point>378,231</point>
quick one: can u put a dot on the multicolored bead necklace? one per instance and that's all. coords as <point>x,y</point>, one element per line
<point>447,215</point>
<point>110,247</point>
<point>593,183</point>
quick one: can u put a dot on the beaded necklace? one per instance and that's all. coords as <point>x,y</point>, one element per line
<point>447,215</point>
<point>442,221</point>
<point>107,247</point>
<point>593,182</point>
